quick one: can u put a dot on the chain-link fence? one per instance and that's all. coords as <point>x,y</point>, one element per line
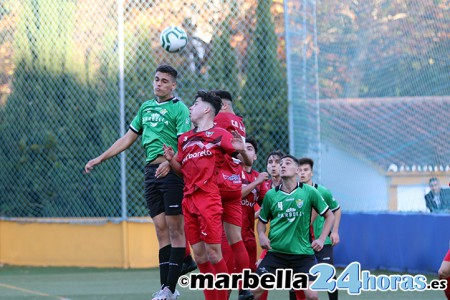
<point>369,97</point>
<point>61,79</point>
<point>64,66</point>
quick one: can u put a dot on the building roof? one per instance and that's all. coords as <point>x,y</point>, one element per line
<point>410,133</point>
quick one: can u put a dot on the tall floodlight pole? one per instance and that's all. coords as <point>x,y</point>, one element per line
<point>123,176</point>
<point>289,79</point>
<point>316,67</point>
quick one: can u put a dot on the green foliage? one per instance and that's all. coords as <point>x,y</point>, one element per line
<point>223,67</point>
<point>382,48</point>
<point>265,91</point>
<point>48,124</point>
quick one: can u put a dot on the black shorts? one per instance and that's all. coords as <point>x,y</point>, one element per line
<point>163,195</point>
<point>297,262</point>
<point>325,255</point>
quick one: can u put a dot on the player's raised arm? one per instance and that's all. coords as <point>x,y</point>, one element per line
<point>247,189</point>
<point>119,145</point>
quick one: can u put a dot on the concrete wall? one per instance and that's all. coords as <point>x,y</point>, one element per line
<point>355,184</point>
<point>98,244</point>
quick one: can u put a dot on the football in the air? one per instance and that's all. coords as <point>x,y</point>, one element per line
<point>173,39</point>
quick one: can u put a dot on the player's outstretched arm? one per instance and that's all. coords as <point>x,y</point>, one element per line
<point>247,189</point>
<point>120,145</point>
<point>239,146</point>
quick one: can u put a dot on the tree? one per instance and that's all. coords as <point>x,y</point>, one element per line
<point>223,69</point>
<point>265,91</point>
<point>382,48</point>
<point>48,120</point>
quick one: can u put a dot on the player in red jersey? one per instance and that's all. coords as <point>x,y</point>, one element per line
<point>273,168</point>
<point>251,181</point>
<point>230,185</point>
<point>201,154</point>
<point>444,273</point>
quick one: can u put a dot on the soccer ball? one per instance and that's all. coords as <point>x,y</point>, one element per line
<point>173,39</point>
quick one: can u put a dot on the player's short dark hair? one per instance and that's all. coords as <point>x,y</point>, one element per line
<point>168,70</point>
<point>252,141</point>
<point>223,94</point>
<point>291,157</point>
<point>212,99</point>
<point>278,153</point>
<point>306,161</point>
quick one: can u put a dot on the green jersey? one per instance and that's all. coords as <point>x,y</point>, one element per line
<point>160,123</point>
<point>290,217</point>
<point>319,221</point>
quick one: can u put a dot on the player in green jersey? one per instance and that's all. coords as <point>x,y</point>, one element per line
<point>288,208</point>
<point>326,254</point>
<point>160,121</point>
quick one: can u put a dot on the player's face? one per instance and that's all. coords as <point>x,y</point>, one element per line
<point>273,165</point>
<point>250,151</point>
<point>305,173</point>
<point>289,168</point>
<point>198,110</point>
<point>163,85</point>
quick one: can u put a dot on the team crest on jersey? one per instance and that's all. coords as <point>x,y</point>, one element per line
<point>299,203</point>
<point>163,111</point>
<point>209,133</point>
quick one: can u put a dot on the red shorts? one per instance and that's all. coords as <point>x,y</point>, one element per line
<point>232,207</point>
<point>203,217</point>
<point>447,256</point>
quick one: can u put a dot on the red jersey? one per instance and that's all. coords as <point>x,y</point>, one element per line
<point>447,256</point>
<point>230,122</point>
<point>229,179</point>
<point>201,155</point>
<point>248,203</point>
<point>264,188</point>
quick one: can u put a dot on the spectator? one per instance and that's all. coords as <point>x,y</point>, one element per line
<point>438,198</point>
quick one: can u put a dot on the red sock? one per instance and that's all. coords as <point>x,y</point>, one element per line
<point>240,256</point>
<point>300,295</point>
<point>264,295</point>
<point>241,260</point>
<point>228,255</point>
<point>207,268</point>
<point>220,267</point>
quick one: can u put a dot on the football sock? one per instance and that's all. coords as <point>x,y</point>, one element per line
<point>175,264</point>
<point>164,257</point>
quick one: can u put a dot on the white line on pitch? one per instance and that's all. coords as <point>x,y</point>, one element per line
<point>12,287</point>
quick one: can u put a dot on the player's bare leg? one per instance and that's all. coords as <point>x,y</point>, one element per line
<point>241,260</point>
<point>209,260</point>
<point>311,295</point>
